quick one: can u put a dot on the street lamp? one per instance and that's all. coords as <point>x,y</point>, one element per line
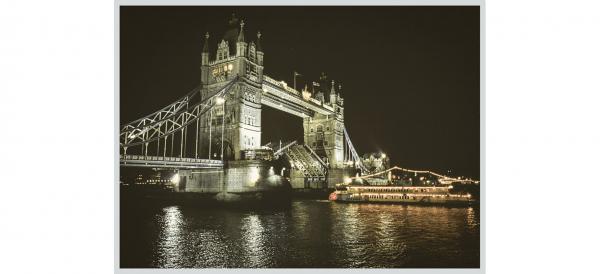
<point>221,101</point>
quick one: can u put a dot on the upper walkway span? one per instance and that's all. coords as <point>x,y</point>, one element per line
<point>168,162</point>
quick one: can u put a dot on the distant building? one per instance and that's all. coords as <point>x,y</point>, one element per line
<point>376,162</point>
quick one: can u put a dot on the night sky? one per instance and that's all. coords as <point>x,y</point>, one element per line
<point>409,75</point>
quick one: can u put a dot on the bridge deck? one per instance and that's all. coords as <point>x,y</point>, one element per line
<point>169,162</point>
<point>280,96</point>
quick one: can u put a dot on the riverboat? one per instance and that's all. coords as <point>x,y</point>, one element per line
<point>440,195</point>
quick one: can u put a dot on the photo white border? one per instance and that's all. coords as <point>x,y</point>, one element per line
<point>480,3</point>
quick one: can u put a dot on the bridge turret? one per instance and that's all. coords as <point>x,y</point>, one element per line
<point>259,51</point>
<point>332,95</point>
<point>205,51</point>
<point>238,117</point>
<point>241,45</point>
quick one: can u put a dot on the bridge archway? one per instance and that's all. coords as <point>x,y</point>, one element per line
<point>279,125</point>
<point>228,150</point>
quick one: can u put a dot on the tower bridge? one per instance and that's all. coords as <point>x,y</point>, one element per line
<point>212,126</point>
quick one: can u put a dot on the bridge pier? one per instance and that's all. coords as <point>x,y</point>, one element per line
<point>241,180</point>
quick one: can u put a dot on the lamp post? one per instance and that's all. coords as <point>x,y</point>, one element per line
<point>296,74</point>
<point>221,101</point>
<point>210,133</point>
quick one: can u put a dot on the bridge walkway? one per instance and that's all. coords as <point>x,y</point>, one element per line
<point>302,159</point>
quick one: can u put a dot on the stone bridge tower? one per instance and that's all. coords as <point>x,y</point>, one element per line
<point>241,109</point>
<point>325,133</point>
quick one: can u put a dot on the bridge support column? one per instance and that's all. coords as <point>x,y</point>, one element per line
<point>181,149</point>
<point>165,147</point>
<point>196,148</point>
<point>210,134</point>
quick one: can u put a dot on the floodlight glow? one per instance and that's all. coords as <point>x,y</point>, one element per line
<point>253,176</point>
<point>271,171</point>
<point>175,179</point>
<point>220,100</point>
<point>383,155</point>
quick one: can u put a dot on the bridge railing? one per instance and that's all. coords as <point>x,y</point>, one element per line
<point>168,159</point>
<point>286,93</point>
<point>281,84</point>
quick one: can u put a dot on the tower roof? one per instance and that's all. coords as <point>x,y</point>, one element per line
<point>231,35</point>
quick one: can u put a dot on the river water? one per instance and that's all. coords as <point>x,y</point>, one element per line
<point>308,233</point>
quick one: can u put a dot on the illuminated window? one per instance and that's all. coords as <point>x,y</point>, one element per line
<point>230,66</point>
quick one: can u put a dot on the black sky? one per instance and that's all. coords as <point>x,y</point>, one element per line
<point>409,75</point>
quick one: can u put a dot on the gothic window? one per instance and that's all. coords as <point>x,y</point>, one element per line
<point>319,128</point>
<point>328,128</point>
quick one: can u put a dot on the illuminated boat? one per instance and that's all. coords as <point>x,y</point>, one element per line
<point>440,195</point>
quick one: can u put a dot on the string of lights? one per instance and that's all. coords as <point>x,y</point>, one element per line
<point>444,177</point>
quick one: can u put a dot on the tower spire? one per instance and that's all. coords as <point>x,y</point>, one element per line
<point>241,45</point>
<point>205,53</point>
<point>258,44</point>
<point>205,48</point>
<point>332,87</point>
<point>241,35</point>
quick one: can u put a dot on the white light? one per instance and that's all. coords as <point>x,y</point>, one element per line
<point>175,179</point>
<point>253,176</point>
<point>220,100</point>
<point>450,187</point>
<point>347,180</point>
<point>271,171</point>
<point>383,155</point>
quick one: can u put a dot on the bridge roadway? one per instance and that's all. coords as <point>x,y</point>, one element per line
<point>278,95</point>
<point>168,162</point>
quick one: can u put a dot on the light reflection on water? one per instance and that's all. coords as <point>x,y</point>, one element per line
<point>170,241</point>
<point>308,234</point>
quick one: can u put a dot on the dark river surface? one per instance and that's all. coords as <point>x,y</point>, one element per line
<point>309,233</point>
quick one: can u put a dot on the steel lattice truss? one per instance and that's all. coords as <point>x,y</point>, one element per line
<point>168,120</point>
<point>353,152</point>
